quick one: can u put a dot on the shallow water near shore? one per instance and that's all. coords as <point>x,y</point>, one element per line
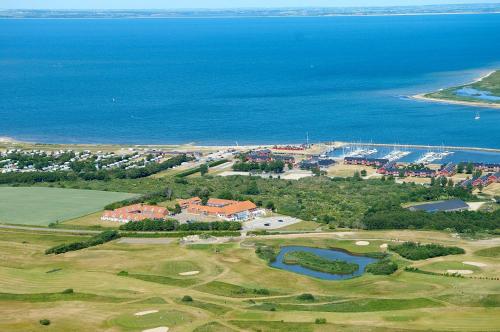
<point>331,254</point>
<point>248,80</point>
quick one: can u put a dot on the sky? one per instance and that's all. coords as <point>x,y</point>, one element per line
<point>212,4</point>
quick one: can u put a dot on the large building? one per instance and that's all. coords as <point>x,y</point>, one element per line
<point>222,208</point>
<point>136,212</point>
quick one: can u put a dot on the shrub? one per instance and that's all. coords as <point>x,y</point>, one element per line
<point>266,253</point>
<point>417,251</point>
<point>44,322</point>
<point>187,298</point>
<point>123,273</point>
<point>100,238</point>
<point>320,321</point>
<point>382,267</point>
<point>305,297</point>
<point>261,291</point>
<point>67,291</point>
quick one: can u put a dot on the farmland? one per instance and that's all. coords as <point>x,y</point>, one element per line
<point>42,206</point>
<point>114,281</point>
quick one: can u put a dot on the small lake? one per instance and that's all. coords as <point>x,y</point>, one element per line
<point>331,254</point>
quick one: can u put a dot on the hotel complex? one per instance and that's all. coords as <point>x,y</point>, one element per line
<point>223,208</point>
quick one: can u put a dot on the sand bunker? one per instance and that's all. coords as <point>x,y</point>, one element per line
<point>147,312</point>
<point>189,273</point>
<point>157,329</point>
<point>475,264</point>
<point>362,243</point>
<point>460,271</point>
<point>383,246</point>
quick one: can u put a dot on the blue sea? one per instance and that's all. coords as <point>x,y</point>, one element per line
<point>245,80</point>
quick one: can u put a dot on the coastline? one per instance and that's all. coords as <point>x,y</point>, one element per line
<point>423,96</point>
<point>185,147</point>
<point>249,16</point>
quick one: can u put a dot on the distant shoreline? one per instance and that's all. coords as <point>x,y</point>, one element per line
<point>424,97</point>
<point>245,16</point>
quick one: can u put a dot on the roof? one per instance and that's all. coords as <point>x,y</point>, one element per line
<point>189,200</point>
<point>219,201</point>
<point>451,205</point>
<point>238,207</point>
<point>222,207</point>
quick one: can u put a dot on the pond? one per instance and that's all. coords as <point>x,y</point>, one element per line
<point>478,94</point>
<point>331,254</point>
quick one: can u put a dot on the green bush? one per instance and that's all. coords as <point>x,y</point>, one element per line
<point>314,262</point>
<point>44,322</point>
<point>417,251</point>
<point>266,253</point>
<point>382,267</point>
<point>67,291</point>
<point>305,297</point>
<point>187,298</point>
<point>171,225</point>
<point>320,321</point>
<point>101,238</point>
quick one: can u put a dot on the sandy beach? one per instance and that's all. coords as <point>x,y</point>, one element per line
<point>422,97</point>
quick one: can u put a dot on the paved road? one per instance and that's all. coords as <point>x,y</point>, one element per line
<point>56,230</point>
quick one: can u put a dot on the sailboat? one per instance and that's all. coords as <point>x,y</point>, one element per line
<point>477,117</point>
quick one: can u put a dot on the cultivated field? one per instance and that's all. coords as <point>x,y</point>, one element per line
<point>222,279</point>
<point>41,206</point>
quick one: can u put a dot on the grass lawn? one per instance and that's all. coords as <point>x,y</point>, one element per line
<point>41,206</point>
<point>228,293</point>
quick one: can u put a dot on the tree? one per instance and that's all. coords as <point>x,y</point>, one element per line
<point>450,182</point>
<point>469,168</point>
<point>177,209</point>
<point>443,181</point>
<point>480,187</point>
<point>363,172</point>
<point>460,168</point>
<point>203,169</point>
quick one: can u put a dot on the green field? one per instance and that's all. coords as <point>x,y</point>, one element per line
<point>227,292</point>
<point>489,84</point>
<point>41,206</point>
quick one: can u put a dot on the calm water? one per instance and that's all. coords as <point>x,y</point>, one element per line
<point>330,254</point>
<point>416,153</point>
<point>252,80</point>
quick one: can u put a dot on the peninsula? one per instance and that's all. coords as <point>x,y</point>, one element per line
<point>483,92</point>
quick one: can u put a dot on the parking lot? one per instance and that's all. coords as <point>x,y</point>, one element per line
<point>269,223</point>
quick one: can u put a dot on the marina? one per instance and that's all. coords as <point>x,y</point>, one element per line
<point>414,154</point>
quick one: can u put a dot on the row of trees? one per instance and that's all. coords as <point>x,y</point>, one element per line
<point>462,222</point>
<point>88,175</point>
<point>101,238</point>
<point>417,251</point>
<point>171,225</point>
<point>275,166</point>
